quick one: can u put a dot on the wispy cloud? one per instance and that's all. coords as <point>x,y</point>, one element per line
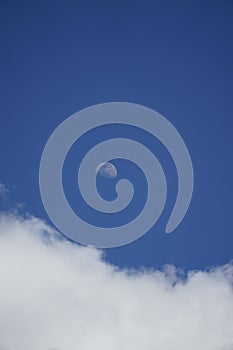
<point>57,295</point>
<point>3,190</point>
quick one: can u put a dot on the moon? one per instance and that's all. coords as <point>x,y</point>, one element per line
<point>107,170</point>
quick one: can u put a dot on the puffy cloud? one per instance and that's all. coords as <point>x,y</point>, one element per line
<point>56,295</point>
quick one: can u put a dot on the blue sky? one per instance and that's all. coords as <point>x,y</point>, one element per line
<point>175,57</point>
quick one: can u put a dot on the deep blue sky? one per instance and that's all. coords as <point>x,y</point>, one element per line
<point>58,57</point>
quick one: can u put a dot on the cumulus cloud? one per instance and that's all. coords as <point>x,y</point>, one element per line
<point>56,295</point>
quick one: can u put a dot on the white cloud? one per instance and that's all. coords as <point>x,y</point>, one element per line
<point>56,295</point>
<point>3,191</point>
